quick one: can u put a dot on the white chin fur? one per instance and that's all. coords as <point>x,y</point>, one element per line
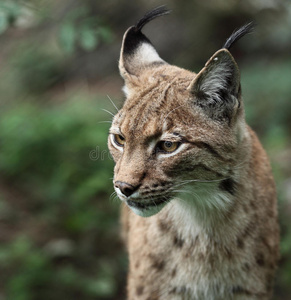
<point>147,212</point>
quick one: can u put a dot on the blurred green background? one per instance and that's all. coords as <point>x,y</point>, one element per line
<point>59,224</point>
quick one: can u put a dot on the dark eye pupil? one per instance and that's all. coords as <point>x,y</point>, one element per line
<point>168,144</point>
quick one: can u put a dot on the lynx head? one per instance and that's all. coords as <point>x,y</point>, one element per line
<point>179,135</point>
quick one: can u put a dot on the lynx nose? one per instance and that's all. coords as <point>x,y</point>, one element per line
<point>126,188</point>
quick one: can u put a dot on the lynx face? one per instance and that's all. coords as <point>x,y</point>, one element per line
<point>178,134</point>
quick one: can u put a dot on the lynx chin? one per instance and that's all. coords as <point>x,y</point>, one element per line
<point>199,208</point>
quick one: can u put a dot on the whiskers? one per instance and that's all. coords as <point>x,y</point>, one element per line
<point>105,122</point>
<point>113,103</point>
<point>189,181</point>
<point>113,197</point>
<point>109,112</point>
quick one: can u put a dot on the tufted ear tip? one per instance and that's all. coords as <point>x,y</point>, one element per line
<point>137,52</point>
<point>238,34</point>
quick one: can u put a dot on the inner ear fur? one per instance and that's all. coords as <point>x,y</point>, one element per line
<point>137,52</point>
<point>216,88</point>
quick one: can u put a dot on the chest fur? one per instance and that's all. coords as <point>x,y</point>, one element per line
<point>169,263</point>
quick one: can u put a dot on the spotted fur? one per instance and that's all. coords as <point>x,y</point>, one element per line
<point>199,222</point>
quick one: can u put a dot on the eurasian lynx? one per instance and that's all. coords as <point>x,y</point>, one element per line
<point>186,159</point>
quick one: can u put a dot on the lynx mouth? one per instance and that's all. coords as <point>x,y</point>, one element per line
<point>147,209</point>
<point>139,205</point>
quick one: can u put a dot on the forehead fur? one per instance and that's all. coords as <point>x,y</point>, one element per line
<point>161,101</point>
<point>154,94</point>
<point>160,75</point>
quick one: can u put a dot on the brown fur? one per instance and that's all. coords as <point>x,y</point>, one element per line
<point>217,237</point>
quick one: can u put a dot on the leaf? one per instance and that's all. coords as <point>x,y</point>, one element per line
<point>68,37</point>
<point>102,287</point>
<point>88,39</point>
<point>105,33</point>
<point>3,22</point>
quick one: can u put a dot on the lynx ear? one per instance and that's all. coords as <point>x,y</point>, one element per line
<point>216,87</point>
<point>137,52</point>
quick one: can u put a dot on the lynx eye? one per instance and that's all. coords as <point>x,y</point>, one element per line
<point>119,140</point>
<point>168,146</point>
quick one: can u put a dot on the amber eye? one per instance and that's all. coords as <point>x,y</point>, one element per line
<point>168,146</point>
<point>119,140</point>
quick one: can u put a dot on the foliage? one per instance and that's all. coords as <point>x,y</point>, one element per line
<point>59,230</point>
<point>49,148</point>
<point>79,28</point>
<point>37,70</point>
<point>36,275</point>
<point>266,90</point>
<point>9,12</point>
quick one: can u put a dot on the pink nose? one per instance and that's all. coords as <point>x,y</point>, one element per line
<point>126,188</point>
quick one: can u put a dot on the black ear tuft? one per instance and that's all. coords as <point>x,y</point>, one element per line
<point>137,52</point>
<point>134,35</point>
<point>157,12</point>
<point>239,33</point>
